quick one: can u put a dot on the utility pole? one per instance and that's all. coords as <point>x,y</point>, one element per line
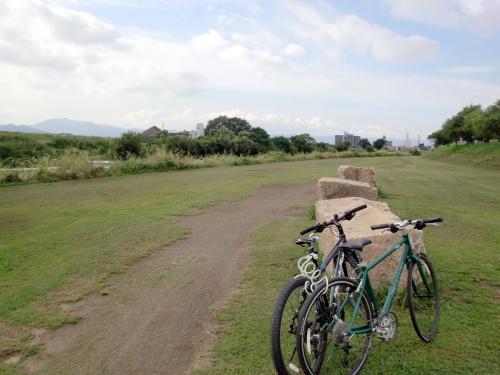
<point>407,140</point>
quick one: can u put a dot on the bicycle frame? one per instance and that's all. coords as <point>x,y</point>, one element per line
<point>333,252</point>
<point>365,284</point>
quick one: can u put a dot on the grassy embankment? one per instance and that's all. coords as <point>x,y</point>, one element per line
<point>464,251</point>
<point>485,155</point>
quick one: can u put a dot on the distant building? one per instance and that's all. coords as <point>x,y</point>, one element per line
<point>198,132</point>
<point>353,140</point>
<point>153,131</point>
<point>339,139</point>
<point>387,144</point>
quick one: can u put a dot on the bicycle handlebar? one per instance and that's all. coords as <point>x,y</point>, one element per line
<point>398,225</point>
<point>311,228</point>
<point>351,211</point>
<point>348,215</point>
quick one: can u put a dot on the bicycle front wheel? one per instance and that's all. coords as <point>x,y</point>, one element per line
<point>324,342</point>
<point>423,298</point>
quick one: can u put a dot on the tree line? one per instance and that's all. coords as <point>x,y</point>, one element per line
<point>472,123</point>
<point>223,135</point>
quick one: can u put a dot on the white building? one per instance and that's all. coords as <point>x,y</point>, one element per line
<point>198,132</point>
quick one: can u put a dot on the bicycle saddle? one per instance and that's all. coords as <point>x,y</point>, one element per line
<point>355,245</point>
<point>306,241</point>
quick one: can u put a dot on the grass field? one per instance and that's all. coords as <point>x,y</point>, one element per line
<point>59,241</point>
<point>464,251</point>
<point>62,240</point>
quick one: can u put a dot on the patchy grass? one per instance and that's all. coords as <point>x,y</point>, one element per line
<point>381,193</point>
<point>464,252</point>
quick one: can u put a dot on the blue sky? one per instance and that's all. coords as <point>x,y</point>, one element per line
<point>373,67</point>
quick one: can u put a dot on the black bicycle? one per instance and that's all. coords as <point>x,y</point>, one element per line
<point>285,316</point>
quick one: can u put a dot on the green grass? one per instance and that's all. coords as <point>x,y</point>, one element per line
<point>464,251</point>
<point>486,155</point>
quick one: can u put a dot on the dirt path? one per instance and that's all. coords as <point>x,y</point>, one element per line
<point>157,318</point>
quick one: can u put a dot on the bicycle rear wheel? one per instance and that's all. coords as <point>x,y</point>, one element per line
<point>323,343</point>
<point>423,298</point>
<point>283,326</point>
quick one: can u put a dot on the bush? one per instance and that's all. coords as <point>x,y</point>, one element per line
<point>128,145</point>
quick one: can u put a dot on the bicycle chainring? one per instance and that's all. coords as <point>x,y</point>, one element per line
<point>388,327</point>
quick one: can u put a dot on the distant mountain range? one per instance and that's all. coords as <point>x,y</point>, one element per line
<point>19,128</point>
<point>65,125</point>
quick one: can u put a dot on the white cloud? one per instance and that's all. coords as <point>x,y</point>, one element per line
<point>293,49</point>
<point>480,15</point>
<point>208,41</point>
<point>468,69</point>
<point>352,33</point>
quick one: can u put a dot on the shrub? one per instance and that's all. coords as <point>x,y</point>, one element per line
<point>129,144</point>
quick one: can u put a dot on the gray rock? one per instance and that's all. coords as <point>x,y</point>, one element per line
<point>332,187</point>
<point>350,172</point>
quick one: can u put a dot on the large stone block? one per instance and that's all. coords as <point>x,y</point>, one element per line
<point>332,187</point>
<point>359,227</point>
<point>350,172</point>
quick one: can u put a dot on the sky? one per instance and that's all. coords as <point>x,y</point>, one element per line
<point>372,67</point>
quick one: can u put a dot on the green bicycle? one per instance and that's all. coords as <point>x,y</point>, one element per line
<point>341,329</point>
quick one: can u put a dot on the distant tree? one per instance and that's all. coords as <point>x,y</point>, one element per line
<point>178,144</point>
<point>323,147</point>
<point>369,149</point>
<point>242,144</point>
<point>303,143</point>
<point>439,138</point>
<point>129,144</point>
<point>223,138</point>
<point>343,146</point>
<point>455,128</point>
<point>364,143</point>
<point>235,124</point>
<point>379,143</point>
<point>260,137</point>
<point>281,143</point>
<point>421,146</point>
<point>491,126</point>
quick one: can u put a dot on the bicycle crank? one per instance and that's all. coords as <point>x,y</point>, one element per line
<point>388,327</point>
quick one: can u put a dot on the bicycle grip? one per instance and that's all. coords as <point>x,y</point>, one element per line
<point>355,209</point>
<point>380,226</point>
<point>433,220</point>
<point>311,228</point>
